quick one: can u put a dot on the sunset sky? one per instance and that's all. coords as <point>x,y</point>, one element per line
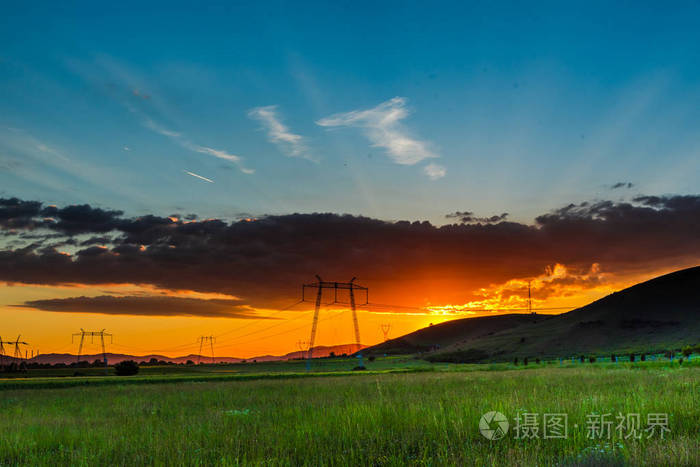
<point>169,171</point>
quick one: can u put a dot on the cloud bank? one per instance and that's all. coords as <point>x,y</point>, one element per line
<point>145,306</point>
<point>263,261</point>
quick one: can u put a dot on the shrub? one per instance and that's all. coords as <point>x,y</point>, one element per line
<point>126,368</point>
<point>537,360</point>
<point>591,360</point>
<point>515,361</point>
<point>643,358</point>
<point>371,358</point>
<point>632,357</point>
<point>687,351</point>
<point>582,358</point>
<point>525,361</point>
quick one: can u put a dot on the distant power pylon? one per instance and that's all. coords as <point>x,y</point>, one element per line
<point>351,287</point>
<point>18,352</point>
<point>529,297</point>
<point>303,347</point>
<point>202,340</point>
<point>92,334</point>
<point>385,329</point>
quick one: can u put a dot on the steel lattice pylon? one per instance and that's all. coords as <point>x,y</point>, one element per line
<point>351,287</point>
<point>17,353</point>
<point>202,340</point>
<point>92,334</point>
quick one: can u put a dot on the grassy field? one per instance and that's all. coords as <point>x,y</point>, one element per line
<point>381,418</point>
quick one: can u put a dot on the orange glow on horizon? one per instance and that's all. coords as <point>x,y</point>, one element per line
<point>247,337</point>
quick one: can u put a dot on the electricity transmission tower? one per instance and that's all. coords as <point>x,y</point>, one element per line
<point>351,287</point>
<point>18,352</point>
<point>92,334</point>
<point>303,347</point>
<point>2,352</point>
<point>529,298</point>
<point>385,329</point>
<point>202,340</point>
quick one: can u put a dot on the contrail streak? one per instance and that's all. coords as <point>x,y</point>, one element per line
<point>198,176</point>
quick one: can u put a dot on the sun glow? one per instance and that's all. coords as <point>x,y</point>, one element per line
<point>557,288</point>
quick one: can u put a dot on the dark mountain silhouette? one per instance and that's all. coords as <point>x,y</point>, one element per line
<point>657,315</point>
<point>113,358</point>
<point>440,336</point>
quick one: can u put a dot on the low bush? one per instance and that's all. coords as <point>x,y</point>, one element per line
<point>126,368</point>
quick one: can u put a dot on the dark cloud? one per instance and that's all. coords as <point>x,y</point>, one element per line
<point>618,185</point>
<point>18,214</point>
<point>145,306</point>
<point>96,241</point>
<point>468,217</point>
<point>688,204</point>
<point>9,165</point>
<point>265,260</point>
<point>79,219</point>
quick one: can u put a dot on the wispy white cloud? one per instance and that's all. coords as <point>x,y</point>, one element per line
<point>40,163</point>
<point>198,176</point>
<point>187,144</point>
<point>382,126</point>
<point>434,171</point>
<point>150,124</point>
<point>146,106</point>
<point>279,134</point>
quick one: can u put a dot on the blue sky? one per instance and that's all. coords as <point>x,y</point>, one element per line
<point>398,111</point>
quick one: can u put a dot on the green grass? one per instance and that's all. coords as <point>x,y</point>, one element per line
<point>64,377</point>
<point>383,418</point>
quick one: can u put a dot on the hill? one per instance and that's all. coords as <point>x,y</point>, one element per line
<point>657,315</point>
<point>113,358</point>
<point>443,335</point>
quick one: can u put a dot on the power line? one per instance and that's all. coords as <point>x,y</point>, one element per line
<point>194,345</point>
<point>266,317</point>
<point>384,305</point>
<point>288,331</point>
<point>270,327</point>
<point>181,347</point>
